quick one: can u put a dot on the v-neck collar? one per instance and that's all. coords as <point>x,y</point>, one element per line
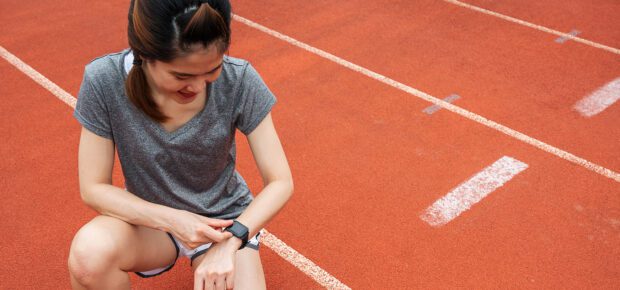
<point>189,124</point>
<point>125,65</point>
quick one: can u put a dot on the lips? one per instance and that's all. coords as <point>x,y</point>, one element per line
<point>187,95</point>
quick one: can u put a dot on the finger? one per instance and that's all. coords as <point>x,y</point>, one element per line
<point>209,285</point>
<point>218,222</point>
<point>208,234</point>
<point>198,283</point>
<point>216,235</point>
<point>220,283</point>
<point>230,281</point>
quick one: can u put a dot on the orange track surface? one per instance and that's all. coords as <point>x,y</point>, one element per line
<point>366,159</point>
<point>595,19</point>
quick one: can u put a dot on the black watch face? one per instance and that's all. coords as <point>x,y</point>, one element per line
<point>238,230</point>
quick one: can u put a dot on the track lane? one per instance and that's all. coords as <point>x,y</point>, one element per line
<point>594,19</point>
<point>386,161</point>
<point>515,76</point>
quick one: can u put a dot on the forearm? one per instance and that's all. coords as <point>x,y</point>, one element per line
<point>116,202</point>
<point>266,205</point>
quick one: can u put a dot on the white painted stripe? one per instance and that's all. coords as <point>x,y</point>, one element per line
<point>599,100</point>
<point>563,39</point>
<point>422,95</point>
<point>464,196</point>
<point>37,77</point>
<point>299,261</point>
<point>434,108</point>
<point>535,26</point>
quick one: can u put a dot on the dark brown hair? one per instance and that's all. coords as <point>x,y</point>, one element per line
<point>166,29</point>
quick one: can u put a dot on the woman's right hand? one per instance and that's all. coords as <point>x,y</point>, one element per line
<point>194,230</point>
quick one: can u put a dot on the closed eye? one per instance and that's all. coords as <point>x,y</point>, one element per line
<point>184,76</point>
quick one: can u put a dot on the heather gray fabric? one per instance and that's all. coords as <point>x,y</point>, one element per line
<point>192,168</point>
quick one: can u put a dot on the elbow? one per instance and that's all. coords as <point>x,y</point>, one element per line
<point>284,186</point>
<point>283,182</point>
<point>86,198</point>
<point>86,194</point>
<point>290,187</point>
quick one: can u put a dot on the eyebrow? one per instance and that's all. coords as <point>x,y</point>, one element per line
<point>191,75</point>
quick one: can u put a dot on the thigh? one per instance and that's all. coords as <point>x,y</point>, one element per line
<point>134,248</point>
<point>249,273</point>
<point>248,269</point>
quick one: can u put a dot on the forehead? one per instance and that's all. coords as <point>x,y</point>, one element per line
<point>197,61</point>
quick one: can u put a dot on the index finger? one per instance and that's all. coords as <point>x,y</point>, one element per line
<point>230,281</point>
<point>219,223</point>
<point>198,283</point>
<point>217,236</point>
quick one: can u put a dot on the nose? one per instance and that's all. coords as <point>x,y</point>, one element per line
<point>197,86</point>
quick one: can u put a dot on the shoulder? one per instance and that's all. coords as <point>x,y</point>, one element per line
<point>233,72</point>
<point>237,71</point>
<point>106,69</point>
<point>235,62</point>
<point>234,68</point>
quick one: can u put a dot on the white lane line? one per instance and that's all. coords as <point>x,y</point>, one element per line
<point>464,196</point>
<point>434,108</point>
<point>563,39</point>
<point>37,77</point>
<point>599,100</point>
<point>535,26</point>
<point>422,95</point>
<point>292,256</point>
<point>302,263</point>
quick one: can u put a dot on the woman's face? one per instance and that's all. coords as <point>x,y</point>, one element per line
<point>185,78</point>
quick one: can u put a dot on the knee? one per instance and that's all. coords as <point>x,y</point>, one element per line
<point>93,253</point>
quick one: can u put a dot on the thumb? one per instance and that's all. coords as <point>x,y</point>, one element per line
<point>218,223</point>
<point>218,236</point>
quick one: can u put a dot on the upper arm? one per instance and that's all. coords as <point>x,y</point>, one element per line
<point>268,152</point>
<point>95,160</point>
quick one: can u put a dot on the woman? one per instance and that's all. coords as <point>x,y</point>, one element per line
<point>170,106</point>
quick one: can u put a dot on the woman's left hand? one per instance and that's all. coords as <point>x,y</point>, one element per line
<point>217,270</point>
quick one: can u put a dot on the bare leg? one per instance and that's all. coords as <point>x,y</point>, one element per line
<point>106,248</point>
<point>248,269</point>
<point>114,279</point>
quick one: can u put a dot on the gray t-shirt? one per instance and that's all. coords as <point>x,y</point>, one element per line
<point>193,167</point>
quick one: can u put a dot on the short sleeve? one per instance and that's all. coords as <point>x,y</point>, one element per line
<point>91,110</point>
<point>254,101</point>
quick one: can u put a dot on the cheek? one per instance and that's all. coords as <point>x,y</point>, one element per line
<point>171,84</point>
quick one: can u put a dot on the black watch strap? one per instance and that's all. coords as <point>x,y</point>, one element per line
<point>240,231</point>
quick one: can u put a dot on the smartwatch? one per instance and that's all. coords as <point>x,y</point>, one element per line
<point>240,231</point>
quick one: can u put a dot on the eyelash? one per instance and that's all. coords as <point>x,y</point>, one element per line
<point>186,78</point>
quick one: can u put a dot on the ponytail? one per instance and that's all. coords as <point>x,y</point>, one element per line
<point>139,93</point>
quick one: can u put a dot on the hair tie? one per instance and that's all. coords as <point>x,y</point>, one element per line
<point>136,59</point>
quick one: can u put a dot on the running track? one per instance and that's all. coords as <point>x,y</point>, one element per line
<point>367,160</point>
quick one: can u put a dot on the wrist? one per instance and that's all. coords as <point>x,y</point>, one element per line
<point>240,233</point>
<point>161,216</point>
<point>234,243</point>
